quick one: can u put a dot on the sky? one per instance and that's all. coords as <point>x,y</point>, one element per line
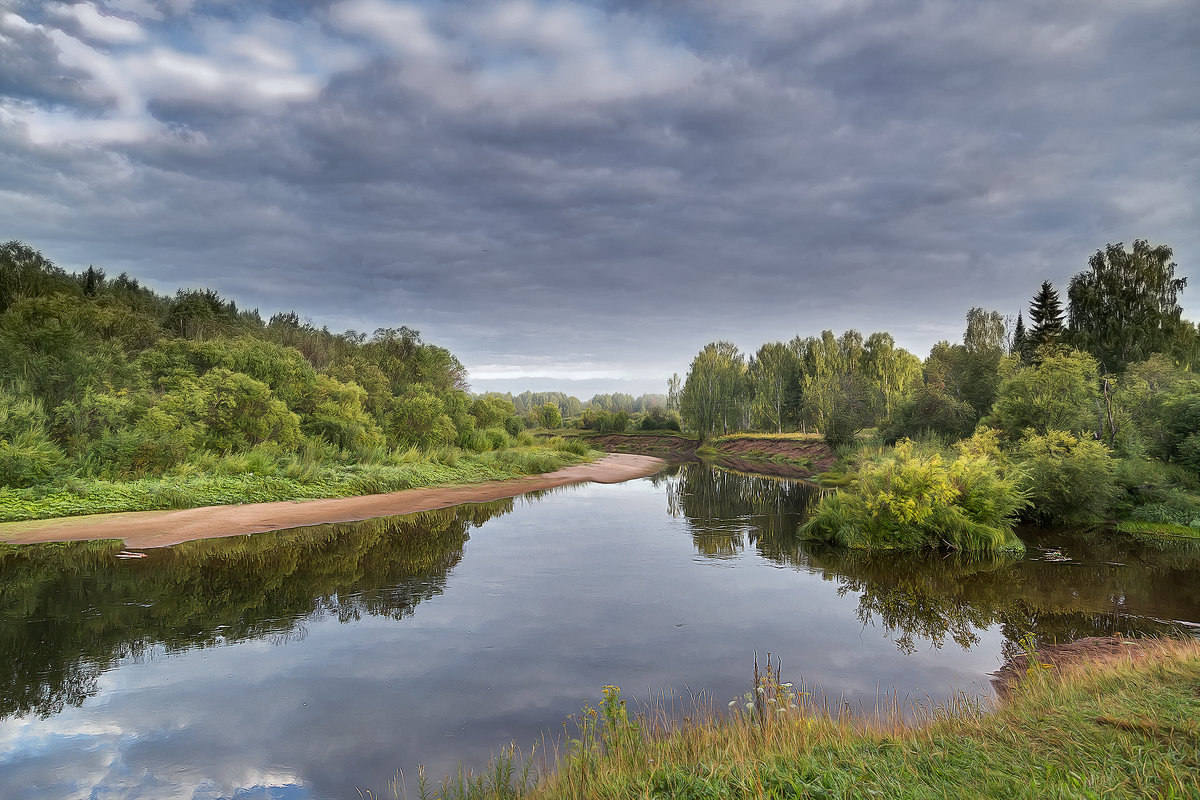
<point>580,195</point>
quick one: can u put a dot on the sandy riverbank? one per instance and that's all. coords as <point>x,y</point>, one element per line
<point>142,529</point>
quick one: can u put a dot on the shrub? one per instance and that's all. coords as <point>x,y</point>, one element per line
<point>575,446</point>
<point>1067,479</point>
<point>929,412</point>
<point>29,459</point>
<point>514,425</point>
<point>497,439</point>
<point>912,499</point>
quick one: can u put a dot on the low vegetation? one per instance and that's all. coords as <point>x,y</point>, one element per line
<point>911,497</point>
<point>1123,728</point>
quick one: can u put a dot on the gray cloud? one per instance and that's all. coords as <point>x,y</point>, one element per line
<point>589,191</point>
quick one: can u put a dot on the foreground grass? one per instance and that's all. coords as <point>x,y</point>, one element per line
<point>1113,729</point>
<point>247,478</point>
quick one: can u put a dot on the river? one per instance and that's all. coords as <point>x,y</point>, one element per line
<point>317,662</point>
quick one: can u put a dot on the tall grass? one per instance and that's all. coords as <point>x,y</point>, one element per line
<point>1113,729</point>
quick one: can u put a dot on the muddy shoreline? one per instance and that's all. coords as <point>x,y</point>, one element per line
<point>145,529</point>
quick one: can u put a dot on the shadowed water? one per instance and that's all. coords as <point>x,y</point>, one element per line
<point>314,662</point>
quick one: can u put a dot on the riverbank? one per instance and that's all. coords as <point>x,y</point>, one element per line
<point>143,529</point>
<point>1122,723</point>
<point>786,454</point>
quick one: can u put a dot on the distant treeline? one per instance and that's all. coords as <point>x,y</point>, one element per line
<point>530,404</point>
<point>1122,311</point>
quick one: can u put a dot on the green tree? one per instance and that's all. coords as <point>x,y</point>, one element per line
<point>1068,479</point>
<point>714,393</point>
<point>550,416</point>
<point>894,371</point>
<point>240,412</point>
<point>490,411</point>
<point>1059,393</point>
<point>24,272</point>
<point>1046,316</point>
<point>773,372</point>
<point>1125,306</point>
<point>419,419</point>
<point>1020,340</point>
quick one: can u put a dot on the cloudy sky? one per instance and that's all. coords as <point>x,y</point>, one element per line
<point>587,192</point>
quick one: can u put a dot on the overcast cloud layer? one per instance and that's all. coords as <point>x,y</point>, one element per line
<point>592,191</point>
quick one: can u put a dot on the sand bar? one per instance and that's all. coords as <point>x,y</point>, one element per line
<point>142,529</point>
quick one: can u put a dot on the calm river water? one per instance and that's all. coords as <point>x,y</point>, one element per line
<point>316,662</point>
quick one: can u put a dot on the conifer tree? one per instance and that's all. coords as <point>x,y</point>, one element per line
<point>1020,339</point>
<point>1046,316</point>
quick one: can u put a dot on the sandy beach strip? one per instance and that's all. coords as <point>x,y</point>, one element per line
<point>143,529</point>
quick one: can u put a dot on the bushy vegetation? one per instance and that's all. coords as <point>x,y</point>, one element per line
<point>113,397</point>
<point>912,497</point>
<point>1067,479</point>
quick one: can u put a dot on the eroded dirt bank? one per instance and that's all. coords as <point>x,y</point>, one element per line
<point>1059,656</point>
<point>742,452</point>
<point>142,529</point>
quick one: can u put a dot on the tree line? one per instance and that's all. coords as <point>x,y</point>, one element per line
<point>104,377</point>
<point>1122,321</point>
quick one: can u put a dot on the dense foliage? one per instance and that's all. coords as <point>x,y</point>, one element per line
<point>912,498</point>
<point>113,396</point>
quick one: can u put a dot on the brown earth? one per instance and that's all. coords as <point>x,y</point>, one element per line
<point>1058,656</point>
<point>142,529</point>
<point>748,453</point>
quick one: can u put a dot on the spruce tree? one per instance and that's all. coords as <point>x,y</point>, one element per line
<point>1020,339</point>
<point>1046,314</point>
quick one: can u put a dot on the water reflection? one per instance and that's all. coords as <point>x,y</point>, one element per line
<point>70,611</point>
<point>727,510</point>
<point>325,658</point>
<point>1070,584</point>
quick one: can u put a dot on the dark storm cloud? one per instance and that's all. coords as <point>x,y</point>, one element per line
<point>597,191</point>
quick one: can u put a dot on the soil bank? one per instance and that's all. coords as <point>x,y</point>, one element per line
<point>143,529</point>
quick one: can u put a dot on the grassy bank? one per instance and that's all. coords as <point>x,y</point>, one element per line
<point>265,475</point>
<point>1118,728</point>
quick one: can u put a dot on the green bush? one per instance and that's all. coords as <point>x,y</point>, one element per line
<point>911,499</point>
<point>1067,479</point>
<point>29,459</point>
<point>514,425</point>
<point>574,446</point>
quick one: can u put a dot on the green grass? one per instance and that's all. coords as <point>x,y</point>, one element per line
<point>210,480</point>
<point>1158,528</point>
<point>1115,729</point>
<point>794,436</point>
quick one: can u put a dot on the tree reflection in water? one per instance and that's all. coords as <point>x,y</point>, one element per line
<point>70,611</point>
<point>1069,585</point>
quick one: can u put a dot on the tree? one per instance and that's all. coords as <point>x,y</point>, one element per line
<point>1125,306</point>
<point>1020,340</point>
<point>1059,393</point>
<point>714,392</point>
<point>419,419</point>
<point>550,416</point>
<point>773,372</point>
<point>978,367</point>
<point>894,371</point>
<point>1046,314</point>
<point>673,392</point>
